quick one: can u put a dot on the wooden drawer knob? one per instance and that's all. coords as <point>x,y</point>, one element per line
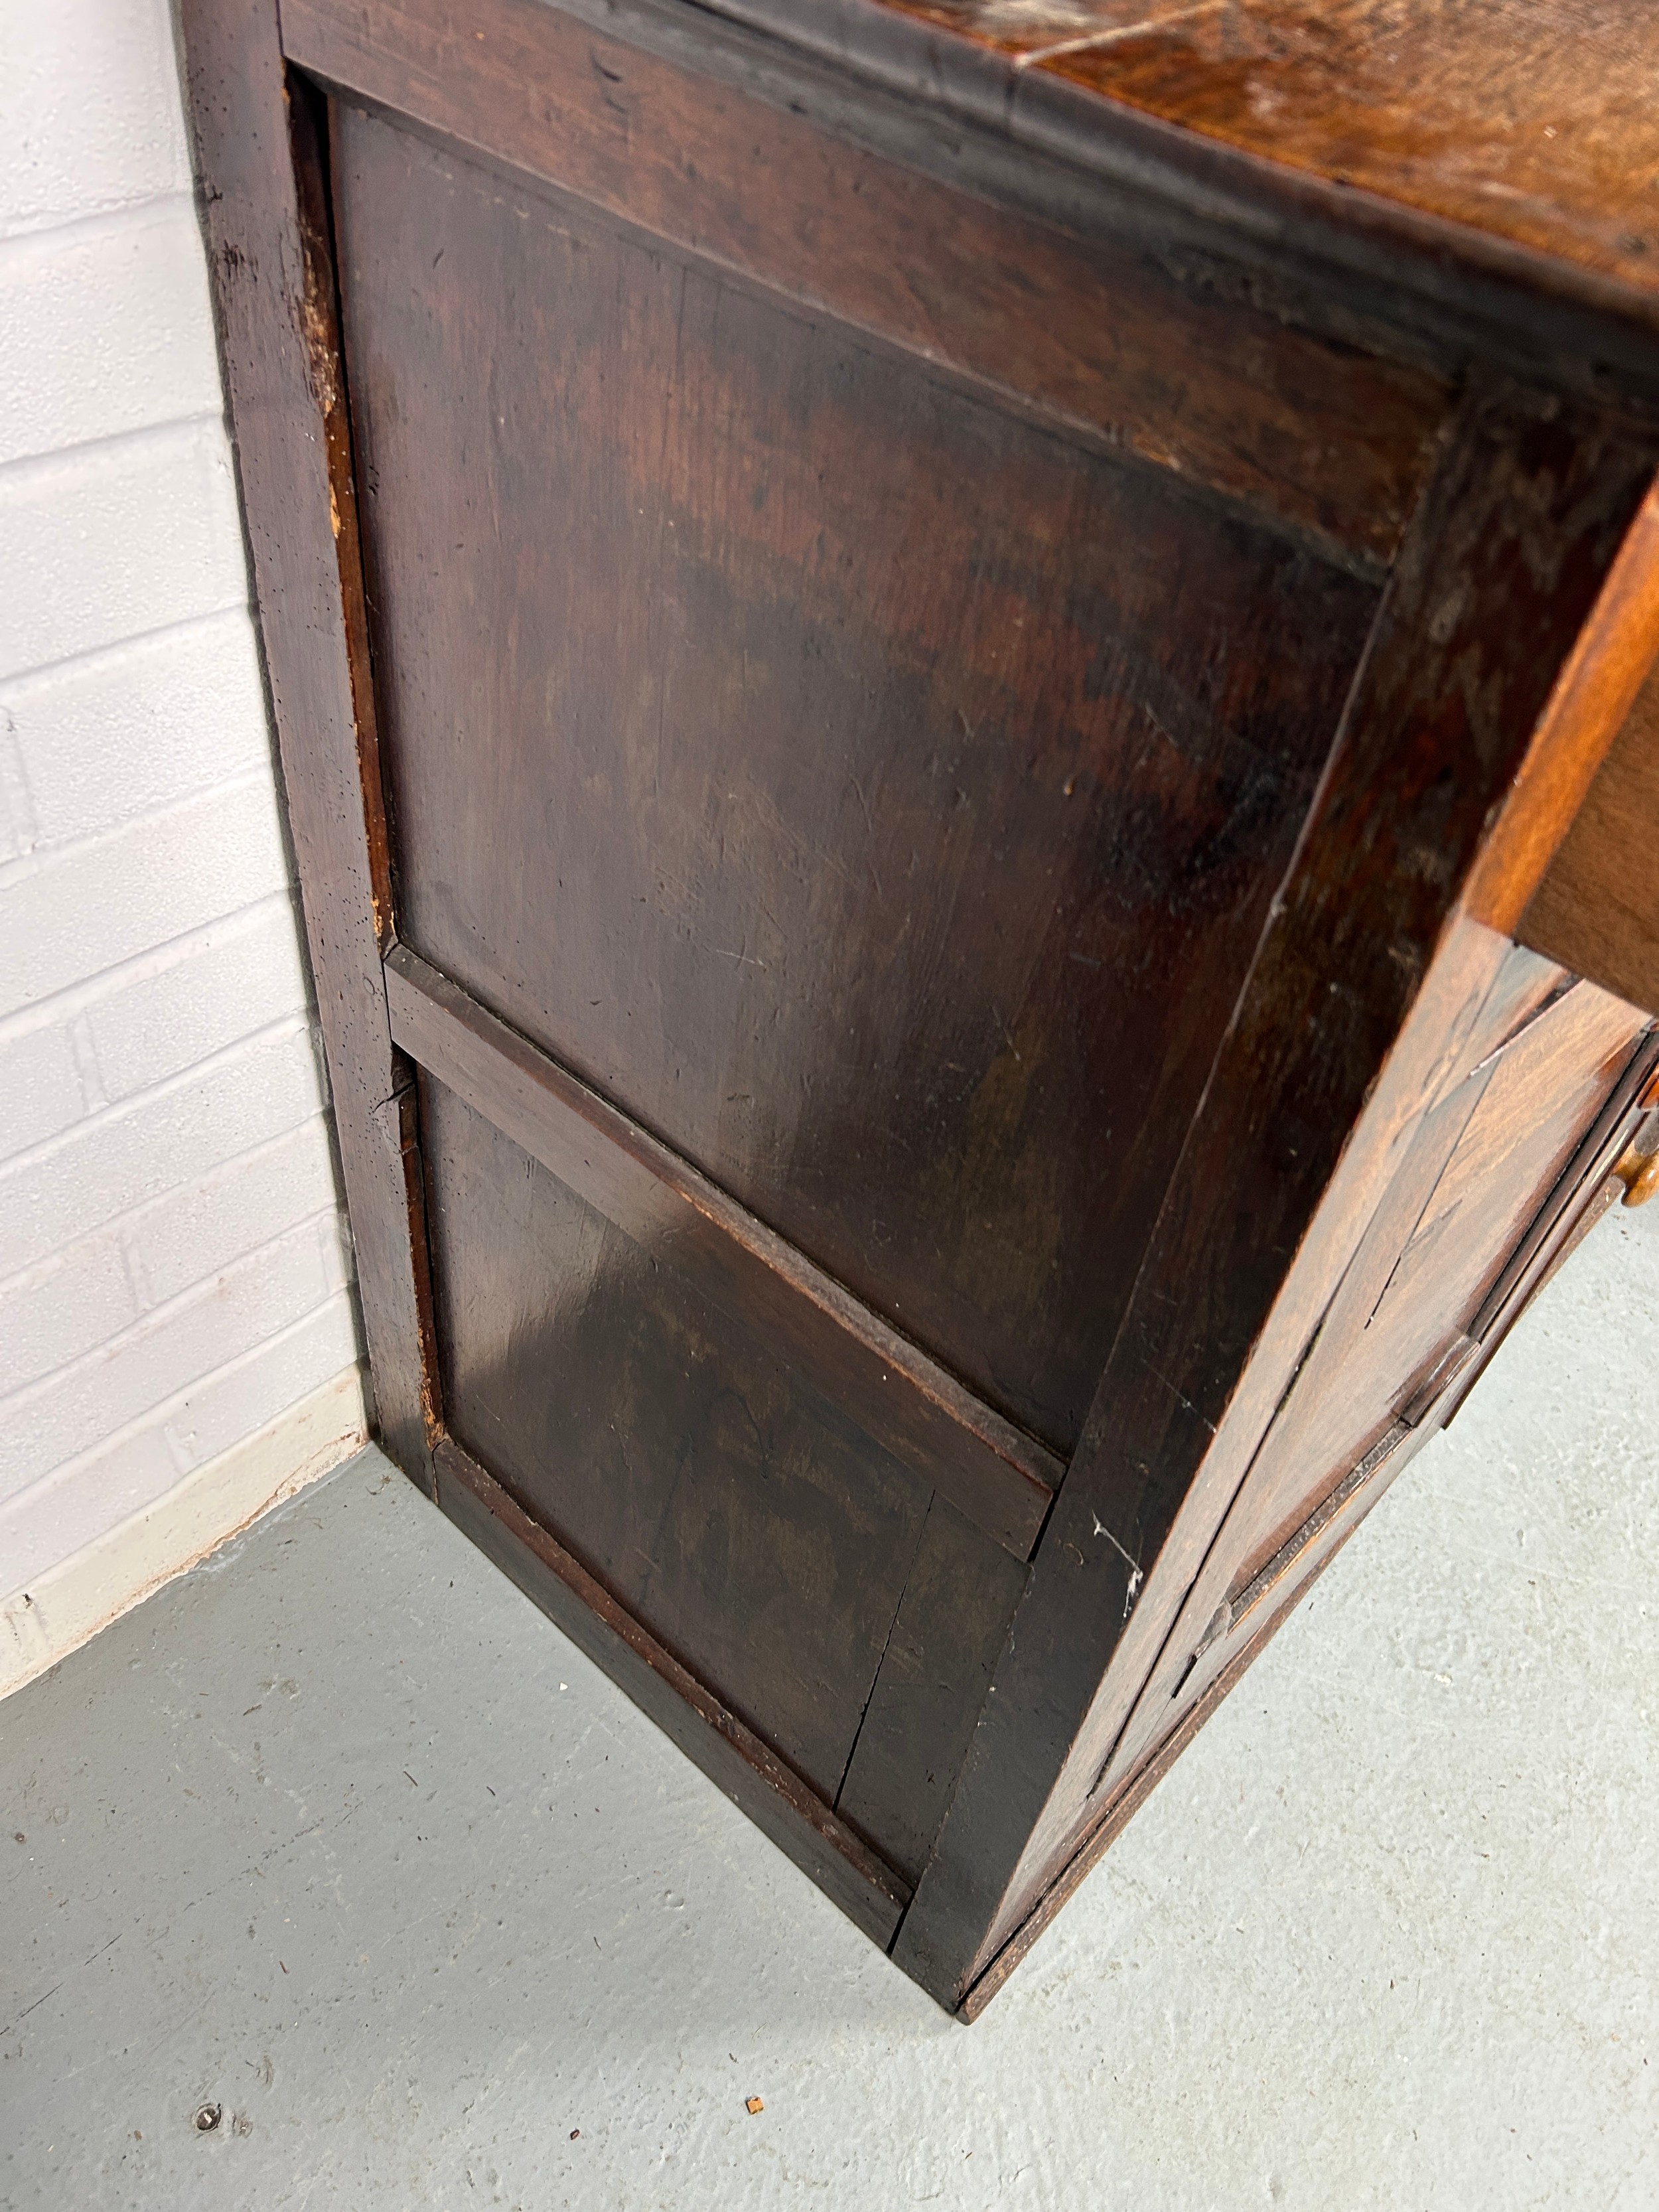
<point>1639,1173</point>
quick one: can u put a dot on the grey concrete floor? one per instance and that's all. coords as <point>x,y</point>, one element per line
<point>338,1834</point>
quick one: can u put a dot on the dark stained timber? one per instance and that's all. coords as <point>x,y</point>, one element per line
<point>1503,117</point>
<point>877,798</point>
<point>1099,333</point>
<point>924,676</point>
<point>947,1636</point>
<point>1000,1477</point>
<point>749,1524</point>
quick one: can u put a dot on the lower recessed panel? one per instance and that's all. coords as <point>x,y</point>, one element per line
<point>752,1528</point>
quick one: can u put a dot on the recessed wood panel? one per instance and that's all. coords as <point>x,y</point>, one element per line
<point>732,1756</point>
<point>876,796</point>
<point>955,671</point>
<point>751,1527</point>
<point>1360,993</point>
<point>899,1397</point>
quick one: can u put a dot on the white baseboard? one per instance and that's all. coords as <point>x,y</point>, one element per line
<point>72,1601</point>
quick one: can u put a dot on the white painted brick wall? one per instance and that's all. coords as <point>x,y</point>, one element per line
<point>173,1270</point>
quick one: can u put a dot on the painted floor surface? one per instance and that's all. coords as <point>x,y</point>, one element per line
<point>337,1834</point>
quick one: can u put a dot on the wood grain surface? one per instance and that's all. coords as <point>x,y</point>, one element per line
<point>1597,906</point>
<point>1531,120</point>
<point>1592,703</point>
<point>746,1523</point>
<point>1092,334</point>
<point>735,1759</point>
<point>939,641</point>
<point>1001,1479</point>
<point>1459,1204</point>
<point>946,1637</point>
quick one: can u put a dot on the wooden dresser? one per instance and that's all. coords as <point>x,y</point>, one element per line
<point>962,693</point>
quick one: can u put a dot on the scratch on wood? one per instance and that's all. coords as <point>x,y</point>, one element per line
<point>1181,1399</point>
<point>1088,40</point>
<point>1136,1576</point>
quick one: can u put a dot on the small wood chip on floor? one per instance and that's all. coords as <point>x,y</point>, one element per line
<point>753,2104</point>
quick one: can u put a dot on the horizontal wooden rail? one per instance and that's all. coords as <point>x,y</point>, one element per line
<point>996,1474</point>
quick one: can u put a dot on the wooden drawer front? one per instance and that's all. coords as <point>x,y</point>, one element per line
<point>1542,1113</point>
<point>875,795</point>
<point>1597,908</point>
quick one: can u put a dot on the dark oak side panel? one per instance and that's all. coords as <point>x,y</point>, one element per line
<point>951,757</point>
<point>1627,1134</point>
<point>876,797</point>
<point>998,1476</point>
<point>260,166</point>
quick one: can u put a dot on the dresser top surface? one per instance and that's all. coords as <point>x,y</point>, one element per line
<point>1534,122</point>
